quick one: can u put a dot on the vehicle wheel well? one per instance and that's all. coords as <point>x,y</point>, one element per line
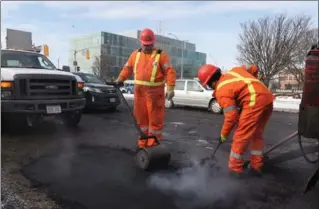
<point>210,101</point>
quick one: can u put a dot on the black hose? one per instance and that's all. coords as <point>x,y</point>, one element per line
<point>303,151</point>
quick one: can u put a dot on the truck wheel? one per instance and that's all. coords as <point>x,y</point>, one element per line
<point>112,109</point>
<point>72,118</point>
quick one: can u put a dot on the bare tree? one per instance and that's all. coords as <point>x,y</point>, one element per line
<point>96,67</point>
<point>271,43</point>
<point>296,68</point>
<point>102,67</point>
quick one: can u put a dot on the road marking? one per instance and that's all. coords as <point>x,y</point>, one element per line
<point>202,141</point>
<point>177,123</point>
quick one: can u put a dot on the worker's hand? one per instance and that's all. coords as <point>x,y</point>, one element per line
<point>169,92</point>
<point>223,138</point>
<point>119,82</point>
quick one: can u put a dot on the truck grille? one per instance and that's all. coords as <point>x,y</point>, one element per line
<point>109,90</point>
<point>44,86</point>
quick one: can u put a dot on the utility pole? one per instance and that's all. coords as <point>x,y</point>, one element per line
<point>183,47</point>
<point>75,63</point>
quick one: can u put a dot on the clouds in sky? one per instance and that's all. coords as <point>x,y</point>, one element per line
<point>213,26</point>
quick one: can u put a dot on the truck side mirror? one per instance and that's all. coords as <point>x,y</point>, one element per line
<point>66,68</point>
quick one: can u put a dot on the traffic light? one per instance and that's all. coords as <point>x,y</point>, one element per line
<point>78,69</point>
<point>87,54</point>
<point>46,50</point>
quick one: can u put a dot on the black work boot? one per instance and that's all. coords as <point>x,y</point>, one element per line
<point>235,174</point>
<point>255,172</point>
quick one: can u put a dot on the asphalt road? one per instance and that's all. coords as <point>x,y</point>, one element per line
<point>93,167</point>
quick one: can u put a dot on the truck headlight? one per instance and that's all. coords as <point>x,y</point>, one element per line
<point>96,90</point>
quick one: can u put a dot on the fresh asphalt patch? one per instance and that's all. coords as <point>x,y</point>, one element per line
<point>92,175</point>
<point>95,178</point>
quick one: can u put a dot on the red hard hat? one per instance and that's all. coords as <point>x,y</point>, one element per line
<point>147,37</point>
<point>206,72</point>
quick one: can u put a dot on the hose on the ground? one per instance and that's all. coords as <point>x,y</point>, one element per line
<point>303,151</point>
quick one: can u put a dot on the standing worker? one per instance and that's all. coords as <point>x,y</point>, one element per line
<point>151,67</point>
<point>238,88</point>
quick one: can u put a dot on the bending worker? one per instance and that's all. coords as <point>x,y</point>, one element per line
<point>151,67</point>
<point>238,88</point>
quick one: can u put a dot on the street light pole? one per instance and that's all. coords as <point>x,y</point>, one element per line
<point>183,47</point>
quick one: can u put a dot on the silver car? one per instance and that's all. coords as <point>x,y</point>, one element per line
<point>189,92</point>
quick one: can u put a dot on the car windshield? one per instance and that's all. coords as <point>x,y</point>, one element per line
<point>90,78</point>
<point>22,59</point>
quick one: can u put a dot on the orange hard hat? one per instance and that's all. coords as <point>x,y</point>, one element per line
<point>206,72</point>
<point>147,37</point>
<point>253,69</point>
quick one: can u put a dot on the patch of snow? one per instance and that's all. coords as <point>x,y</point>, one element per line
<point>177,123</point>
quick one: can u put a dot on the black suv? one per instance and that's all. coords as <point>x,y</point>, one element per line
<point>98,95</point>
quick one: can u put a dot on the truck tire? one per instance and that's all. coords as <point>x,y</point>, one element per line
<point>72,119</point>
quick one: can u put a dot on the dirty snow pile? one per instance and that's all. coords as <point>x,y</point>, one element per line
<point>10,200</point>
<point>287,104</point>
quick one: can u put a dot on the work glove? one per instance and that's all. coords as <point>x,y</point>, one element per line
<point>222,138</point>
<point>119,82</point>
<point>169,92</point>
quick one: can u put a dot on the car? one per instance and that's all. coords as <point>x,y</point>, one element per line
<point>189,92</point>
<point>129,86</point>
<point>123,90</point>
<point>98,95</point>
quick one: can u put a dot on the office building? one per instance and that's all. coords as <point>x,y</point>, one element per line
<point>109,52</point>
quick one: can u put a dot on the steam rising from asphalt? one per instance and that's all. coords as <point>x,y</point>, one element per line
<point>197,186</point>
<point>65,157</point>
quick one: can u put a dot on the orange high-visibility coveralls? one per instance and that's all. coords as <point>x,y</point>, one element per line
<point>238,88</point>
<point>150,71</point>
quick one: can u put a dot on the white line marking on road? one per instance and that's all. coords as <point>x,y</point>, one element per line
<point>177,123</point>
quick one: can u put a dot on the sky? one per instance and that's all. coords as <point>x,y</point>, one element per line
<point>212,25</point>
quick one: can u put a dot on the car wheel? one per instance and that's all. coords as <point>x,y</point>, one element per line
<point>214,107</point>
<point>169,103</point>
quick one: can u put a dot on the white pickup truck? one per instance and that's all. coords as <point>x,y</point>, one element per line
<point>32,87</point>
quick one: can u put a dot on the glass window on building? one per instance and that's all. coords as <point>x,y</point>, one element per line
<point>120,51</point>
<point>179,52</point>
<point>121,41</point>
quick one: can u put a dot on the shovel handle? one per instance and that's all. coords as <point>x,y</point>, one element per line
<point>115,84</point>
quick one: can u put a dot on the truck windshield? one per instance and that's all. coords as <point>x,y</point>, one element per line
<point>22,59</point>
<point>89,78</point>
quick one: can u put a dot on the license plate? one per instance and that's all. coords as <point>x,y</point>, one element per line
<point>53,109</point>
<point>112,100</point>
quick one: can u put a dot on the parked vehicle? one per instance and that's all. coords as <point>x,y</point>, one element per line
<point>129,86</point>
<point>32,88</point>
<point>189,92</point>
<point>98,95</point>
<point>123,90</point>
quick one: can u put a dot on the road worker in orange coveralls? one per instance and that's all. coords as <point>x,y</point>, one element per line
<point>151,67</point>
<point>239,88</point>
